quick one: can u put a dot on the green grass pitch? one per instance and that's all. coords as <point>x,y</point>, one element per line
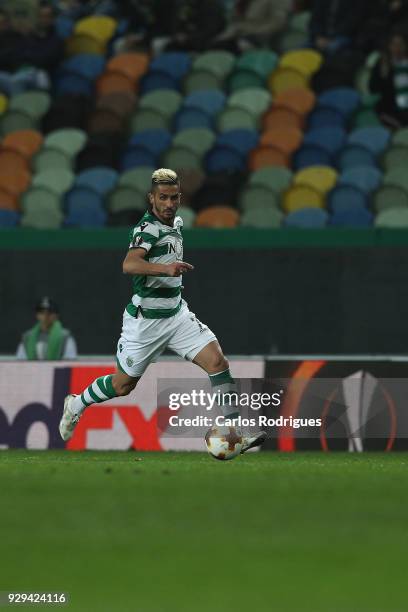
<point>175,532</point>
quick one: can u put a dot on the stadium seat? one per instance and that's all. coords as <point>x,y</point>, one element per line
<point>261,218</point>
<point>84,208</point>
<point>236,119</point>
<point>365,178</point>
<point>393,218</point>
<point>262,157</point>
<point>41,209</point>
<point>188,216</point>
<point>299,100</point>
<point>210,101</point>
<point>174,63</point>
<point>397,177</point>
<point>345,197</point>
<point>221,158</point>
<point>257,196</point>
<point>33,103</point>
<point>164,101</point>
<point>389,196</point>
<point>187,118</point>
<point>375,139</point>
<point>395,157</point>
<point>400,137</point>
<point>3,103</point>
<point>321,178</point>
<point>135,156</point>
<point>217,217</point>
<point>70,141</point>
<point>366,117</point>
<point>9,218</point>
<point>105,121</point>
<point>311,155</point>
<point>306,61</point>
<point>147,119</point>
<point>306,218</point>
<point>354,155</point>
<point>279,117</point>
<point>154,80</point>
<point>102,151</point>
<point>244,79</point>
<point>51,158</point>
<point>301,196</point>
<point>345,100</point>
<point>127,198</point>
<point>137,178</point>
<point>13,121</point>
<point>239,140</point>
<point>191,179</point>
<point>300,21</point>
<point>79,44</point>
<point>291,40</point>
<point>155,141</point>
<point>325,117</point>
<point>101,180</point>
<point>58,180</point>
<point>98,27</point>
<point>201,80</point>
<point>12,161</point>
<point>180,157</point>
<point>286,139</point>
<point>358,217</point>
<point>286,78</point>
<point>72,83</point>
<point>25,142</point>
<point>219,63</point>
<point>86,65</point>
<point>255,100</point>
<point>8,201</point>
<point>132,65</point>
<point>331,139</point>
<point>276,179</point>
<point>15,181</point>
<point>113,82</point>
<point>259,61</point>
<point>119,102</point>
<point>198,140</point>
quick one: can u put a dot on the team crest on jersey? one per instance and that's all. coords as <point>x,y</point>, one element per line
<point>129,362</point>
<point>143,225</point>
<point>138,240</point>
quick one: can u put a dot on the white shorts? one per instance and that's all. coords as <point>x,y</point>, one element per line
<point>143,340</point>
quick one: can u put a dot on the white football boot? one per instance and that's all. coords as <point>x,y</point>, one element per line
<point>253,440</point>
<point>69,420</point>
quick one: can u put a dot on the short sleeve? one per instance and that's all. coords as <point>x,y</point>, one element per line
<point>144,236</point>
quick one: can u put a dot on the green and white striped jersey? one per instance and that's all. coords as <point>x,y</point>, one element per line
<point>157,296</point>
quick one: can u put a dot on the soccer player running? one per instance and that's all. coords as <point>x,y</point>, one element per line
<point>157,317</point>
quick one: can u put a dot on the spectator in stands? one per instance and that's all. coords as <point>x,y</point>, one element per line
<point>47,339</point>
<point>255,22</point>
<point>334,23</point>
<point>384,16</point>
<point>193,24</point>
<point>76,9</point>
<point>389,78</point>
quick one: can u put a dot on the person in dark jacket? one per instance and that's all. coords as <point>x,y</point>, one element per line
<point>389,79</point>
<point>334,23</point>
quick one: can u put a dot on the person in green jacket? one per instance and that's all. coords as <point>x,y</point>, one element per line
<point>48,340</point>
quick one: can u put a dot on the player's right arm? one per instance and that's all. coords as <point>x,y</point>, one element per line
<point>135,263</point>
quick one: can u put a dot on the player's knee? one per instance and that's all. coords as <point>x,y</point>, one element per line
<point>218,363</point>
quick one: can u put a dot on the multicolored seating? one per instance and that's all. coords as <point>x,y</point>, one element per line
<point>267,138</point>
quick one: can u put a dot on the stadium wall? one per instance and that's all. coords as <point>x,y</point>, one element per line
<point>259,294</point>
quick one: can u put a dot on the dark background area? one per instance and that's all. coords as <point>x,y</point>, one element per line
<point>295,301</point>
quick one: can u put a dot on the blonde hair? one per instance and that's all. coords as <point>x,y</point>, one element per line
<point>164,176</point>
